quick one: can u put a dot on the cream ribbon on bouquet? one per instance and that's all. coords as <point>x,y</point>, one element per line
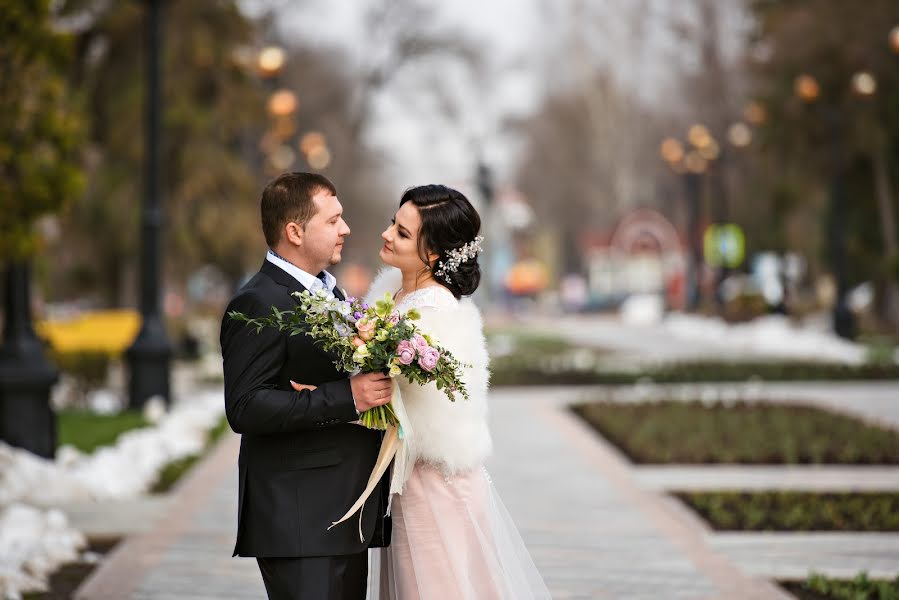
<point>396,443</point>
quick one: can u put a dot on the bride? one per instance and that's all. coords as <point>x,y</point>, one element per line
<point>452,537</point>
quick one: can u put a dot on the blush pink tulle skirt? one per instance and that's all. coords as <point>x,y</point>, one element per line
<point>453,538</point>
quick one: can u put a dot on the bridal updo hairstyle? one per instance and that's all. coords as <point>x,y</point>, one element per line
<point>448,222</point>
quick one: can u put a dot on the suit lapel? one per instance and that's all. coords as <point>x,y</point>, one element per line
<point>283,278</point>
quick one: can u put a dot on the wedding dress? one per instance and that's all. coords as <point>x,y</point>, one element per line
<point>452,536</point>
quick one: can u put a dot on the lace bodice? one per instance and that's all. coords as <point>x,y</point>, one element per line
<point>435,296</point>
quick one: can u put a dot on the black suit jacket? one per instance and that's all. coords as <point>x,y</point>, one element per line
<point>302,464</point>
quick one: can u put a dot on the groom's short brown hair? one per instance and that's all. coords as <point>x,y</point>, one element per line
<point>288,198</point>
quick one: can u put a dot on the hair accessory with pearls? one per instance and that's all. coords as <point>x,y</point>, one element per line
<point>458,256</point>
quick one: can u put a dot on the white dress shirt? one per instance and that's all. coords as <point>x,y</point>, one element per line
<point>307,280</point>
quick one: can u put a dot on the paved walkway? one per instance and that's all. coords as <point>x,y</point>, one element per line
<point>753,477</point>
<point>596,525</point>
<point>186,554</point>
<point>593,530</point>
<point>776,555</point>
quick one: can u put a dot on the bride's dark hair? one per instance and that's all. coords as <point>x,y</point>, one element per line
<point>448,222</point>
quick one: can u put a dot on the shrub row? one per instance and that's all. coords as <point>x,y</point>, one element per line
<point>527,369</point>
<point>819,587</point>
<point>796,511</point>
<point>696,433</point>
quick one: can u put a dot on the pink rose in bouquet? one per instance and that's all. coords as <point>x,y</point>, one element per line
<point>428,359</point>
<point>406,352</point>
<point>366,329</point>
<point>420,343</point>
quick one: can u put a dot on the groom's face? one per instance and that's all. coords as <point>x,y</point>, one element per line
<point>325,231</point>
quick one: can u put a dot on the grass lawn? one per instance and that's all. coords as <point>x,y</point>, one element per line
<point>87,430</point>
<point>796,511</point>
<point>695,433</point>
<point>818,587</point>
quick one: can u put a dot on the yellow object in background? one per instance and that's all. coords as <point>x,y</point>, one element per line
<point>108,331</point>
<point>527,277</point>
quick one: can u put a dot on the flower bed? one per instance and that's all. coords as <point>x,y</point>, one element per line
<point>695,433</point>
<point>818,587</point>
<point>796,511</point>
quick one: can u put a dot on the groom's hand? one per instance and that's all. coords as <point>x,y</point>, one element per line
<point>370,390</point>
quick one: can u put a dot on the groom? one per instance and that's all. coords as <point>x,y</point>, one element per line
<point>302,463</point>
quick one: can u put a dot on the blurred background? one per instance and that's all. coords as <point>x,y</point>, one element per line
<point>689,191</point>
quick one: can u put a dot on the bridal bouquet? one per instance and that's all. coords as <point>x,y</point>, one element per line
<point>370,339</point>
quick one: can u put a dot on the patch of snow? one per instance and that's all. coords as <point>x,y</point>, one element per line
<point>771,335</point>
<point>33,544</point>
<point>643,309</point>
<point>124,470</point>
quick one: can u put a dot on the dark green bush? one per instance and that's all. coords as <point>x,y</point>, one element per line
<point>796,511</point>
<point>528,370</point>
<point>819,587</point>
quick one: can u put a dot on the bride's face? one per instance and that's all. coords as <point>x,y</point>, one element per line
<point>401,240</point>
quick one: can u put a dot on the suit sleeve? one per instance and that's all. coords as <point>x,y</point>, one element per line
<point>252,361</point>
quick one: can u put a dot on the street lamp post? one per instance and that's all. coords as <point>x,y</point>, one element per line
<point>808,90</point>
<point>495,232</point>
<point>695,165</point>
<point>843,318</point>
<point>150,356</point>
<point>690,164</point>
<point>26,419</point>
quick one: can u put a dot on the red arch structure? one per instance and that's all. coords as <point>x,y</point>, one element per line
<point>643,225</point>
<point>643,222</point>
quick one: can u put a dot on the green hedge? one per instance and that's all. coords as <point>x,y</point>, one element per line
<point>796,511</point>
<point>819,587</point>
<point>695,433</point>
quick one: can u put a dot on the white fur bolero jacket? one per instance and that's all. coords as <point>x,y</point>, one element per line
<point>452,436</point>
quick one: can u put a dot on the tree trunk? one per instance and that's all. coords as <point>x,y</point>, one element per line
<point>888,230</point>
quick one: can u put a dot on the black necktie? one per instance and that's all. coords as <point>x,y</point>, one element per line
<point>324,280</point>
